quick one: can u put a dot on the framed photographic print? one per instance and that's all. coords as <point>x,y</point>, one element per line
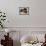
<point>23,10</point>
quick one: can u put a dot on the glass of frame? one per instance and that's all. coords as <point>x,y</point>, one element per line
<point>23,10</point>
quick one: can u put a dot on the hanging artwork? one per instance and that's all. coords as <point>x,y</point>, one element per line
<point>24,10</point>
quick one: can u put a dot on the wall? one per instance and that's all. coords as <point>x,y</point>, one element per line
<point>35,21</point>
<point>37,13</point>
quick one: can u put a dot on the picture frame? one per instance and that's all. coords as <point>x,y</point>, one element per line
<point>23,10</point>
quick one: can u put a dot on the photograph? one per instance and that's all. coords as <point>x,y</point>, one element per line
<point>24,10</point>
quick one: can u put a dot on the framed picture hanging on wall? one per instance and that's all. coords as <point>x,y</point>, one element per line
<point>23,10</point>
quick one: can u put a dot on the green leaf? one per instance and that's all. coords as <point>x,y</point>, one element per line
<point>3,19</point>
<point>4,16</point>
<point>2,26</point>
<point>0,12</point>
<point>4,13</point>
